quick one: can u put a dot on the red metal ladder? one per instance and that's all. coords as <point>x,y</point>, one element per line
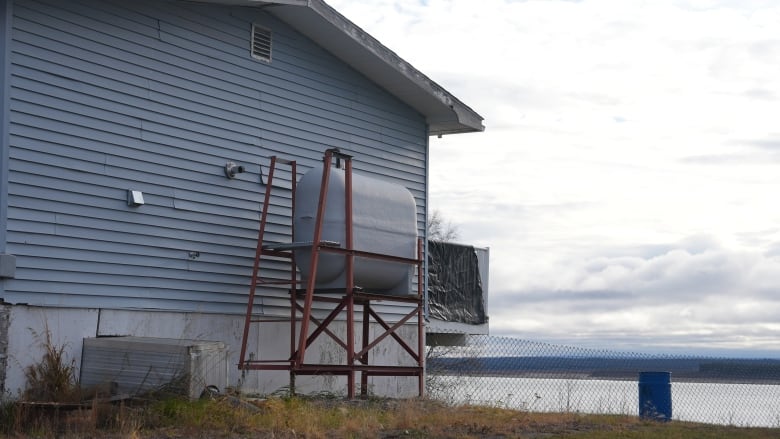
<point>351,296</point>
<point>265,250</point>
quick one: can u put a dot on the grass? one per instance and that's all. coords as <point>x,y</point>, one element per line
<point>52,378</point>
<point>54,406</point>
<point>229,417</point>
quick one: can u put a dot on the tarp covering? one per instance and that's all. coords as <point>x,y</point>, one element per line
<point>454,284</point>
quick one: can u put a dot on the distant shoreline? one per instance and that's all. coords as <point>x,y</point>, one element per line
<point>743,371</point>
<point>680,378</point>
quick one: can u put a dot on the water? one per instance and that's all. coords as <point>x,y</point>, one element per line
<point>755,405</point>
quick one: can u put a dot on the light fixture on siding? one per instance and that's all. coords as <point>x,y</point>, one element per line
<point>135,198</point>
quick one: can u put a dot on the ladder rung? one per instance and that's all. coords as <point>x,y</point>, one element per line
<point>267,361</point>
<point>293,245</point>
<point>277,282</point>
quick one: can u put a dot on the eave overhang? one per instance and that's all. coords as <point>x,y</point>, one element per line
<point>444,113</point>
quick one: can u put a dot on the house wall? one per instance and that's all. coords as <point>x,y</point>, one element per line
<point>156,96</point>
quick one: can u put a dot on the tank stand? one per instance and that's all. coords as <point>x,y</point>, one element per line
<point>305,328</point>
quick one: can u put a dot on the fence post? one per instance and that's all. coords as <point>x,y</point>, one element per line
<point>655,395</point>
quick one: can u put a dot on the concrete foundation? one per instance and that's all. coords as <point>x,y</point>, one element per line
<point>4,316</point>
<point>26,329</point>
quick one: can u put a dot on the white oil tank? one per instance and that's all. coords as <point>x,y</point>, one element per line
<point>384,220</point>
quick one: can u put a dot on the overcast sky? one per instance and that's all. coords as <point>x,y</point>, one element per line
<point>627,182</point>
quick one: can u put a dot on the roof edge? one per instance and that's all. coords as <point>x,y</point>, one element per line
<point>464,119</point>
<point>444,113</point>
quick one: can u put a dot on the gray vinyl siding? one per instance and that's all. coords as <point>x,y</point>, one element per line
<point>157,96</point>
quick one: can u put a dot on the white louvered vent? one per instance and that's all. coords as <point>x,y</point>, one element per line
<point>261,43</point>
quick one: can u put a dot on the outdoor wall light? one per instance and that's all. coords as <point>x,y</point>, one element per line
<point>231,169</point>
<point>135,198</point>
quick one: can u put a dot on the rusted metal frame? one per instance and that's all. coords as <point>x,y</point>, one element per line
<point>323,326</point>
<point>420,353</point>
<point>276,282</point>
<point>277,253</point>
<point>420,270</point>
<point>370,255</point>
<point>364,297</point>
<point>286,162</point>
<point>350,275</point>
<point>343,369</point>
<point>364,358</point>
<point>297,365</point>
<point>407,371</point>
<point>293,273</point>
<point>255,268</point>
<point>315,253</point>
<point>390,331</point>
<point>255,366</point>
<point>335,152</point>
<point>266,361</point>
<point>283,248</point>
<point>420,331</point>
<point>327,299</point>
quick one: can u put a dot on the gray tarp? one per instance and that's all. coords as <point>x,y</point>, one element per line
<point>454,284</point>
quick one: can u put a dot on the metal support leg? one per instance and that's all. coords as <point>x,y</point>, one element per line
<point>350,275</point>
<point>315,254</point>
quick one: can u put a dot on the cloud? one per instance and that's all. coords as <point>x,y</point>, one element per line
<point>768,144</point>
<point>773,251</point>
<point>695,292</point>
<point>726,159</point>
<point>764,151</point>
<point>761,93</point>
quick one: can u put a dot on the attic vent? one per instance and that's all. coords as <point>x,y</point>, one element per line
<point>261,43</point>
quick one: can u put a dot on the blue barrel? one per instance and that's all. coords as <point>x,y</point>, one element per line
<point>655,395</point>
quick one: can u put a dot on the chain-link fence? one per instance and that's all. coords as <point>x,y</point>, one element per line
<point>534,376</point>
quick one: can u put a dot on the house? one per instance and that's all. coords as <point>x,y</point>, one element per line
<point>119,119</point>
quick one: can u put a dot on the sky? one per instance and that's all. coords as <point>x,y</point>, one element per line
<point>627,181</point>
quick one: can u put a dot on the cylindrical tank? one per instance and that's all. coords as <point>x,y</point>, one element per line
<point>655,395</point>
<point>384,220</point>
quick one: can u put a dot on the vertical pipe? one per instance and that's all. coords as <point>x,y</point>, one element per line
<point>350,272</point>
<point>364,344</point>
<point>420,326</point>
<point>422,269</point>
<point>258,253</point>
<point>425,230</point>
<point>293,274</point>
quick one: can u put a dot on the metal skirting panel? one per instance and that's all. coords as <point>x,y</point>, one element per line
<point>136,365</point>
